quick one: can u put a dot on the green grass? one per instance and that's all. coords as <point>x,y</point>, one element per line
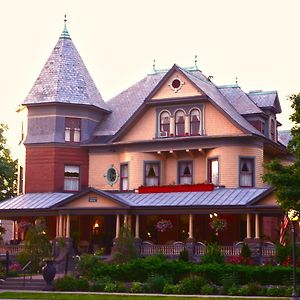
<point>74,296</point>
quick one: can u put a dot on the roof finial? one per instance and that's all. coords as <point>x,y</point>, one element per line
<point>154,70</point>
<point>196,60</point>
<point>236,80</point>
<point>65,34</point>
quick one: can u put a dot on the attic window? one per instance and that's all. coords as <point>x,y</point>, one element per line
<point>176,84</point>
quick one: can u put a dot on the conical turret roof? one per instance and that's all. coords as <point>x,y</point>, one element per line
<point>65,78</point>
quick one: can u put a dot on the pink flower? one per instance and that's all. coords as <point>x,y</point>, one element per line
<point>164,225</point>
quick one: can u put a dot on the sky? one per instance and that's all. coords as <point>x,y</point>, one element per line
<point>256,41</point>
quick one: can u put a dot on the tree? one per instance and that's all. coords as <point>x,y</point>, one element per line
<point>8,168</point>
<point>286,178</point>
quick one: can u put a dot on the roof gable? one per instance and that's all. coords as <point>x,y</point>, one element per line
<point>175,85</point>
<point>65,79</point>
<point>93,198</point>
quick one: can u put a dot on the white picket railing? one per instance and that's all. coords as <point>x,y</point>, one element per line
<point>168,250</point>
<point>148,249</point>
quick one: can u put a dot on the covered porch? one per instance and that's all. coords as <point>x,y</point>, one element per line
<point>92,219</point>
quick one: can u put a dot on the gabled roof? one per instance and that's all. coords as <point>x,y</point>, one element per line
<point>220,101</point>
<point>221,197</point>
<point>240,100</point>
<point>266,100</point>
<point>126,104</point>
<point>65,79</point>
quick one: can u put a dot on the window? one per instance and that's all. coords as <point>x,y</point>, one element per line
<point>246,172</point>
<point>213,171</point>
<point>179,123</point>
<point>185,172</point>
<point>124,184</point>
<point>165,123</point>
<point>272,131</point>
<point>21,177</point>
<point>71,179</point>
<point>72,130</point>
<point>152,174</point>
<point>195,122</point>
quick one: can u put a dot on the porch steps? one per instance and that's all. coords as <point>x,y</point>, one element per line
<point>18,284</point>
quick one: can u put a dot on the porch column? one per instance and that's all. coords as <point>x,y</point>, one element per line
<point>60,224</point>
<point>187,124</point>
<point>172,126</point>
<point>191,226</point>
<point>68,226</point>
<point>257,226</point>
<point>129,221</point>
<point>125,220</point>
<point>117,226</point>
<point>137,226</point>
<point>57,226</point>
<point>248,226</point>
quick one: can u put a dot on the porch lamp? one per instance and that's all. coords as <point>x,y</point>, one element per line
<point>293,216</point>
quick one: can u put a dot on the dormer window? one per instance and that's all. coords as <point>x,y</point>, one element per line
<point>72,130</point>
<point>164,124</point>
<point>179,123</point>
<point>195,122</point>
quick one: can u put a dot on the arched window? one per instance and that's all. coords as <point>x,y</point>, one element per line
<point>165,122</point>
<point>272,131</point>
<point>195,122</point>
<point>179,123</point>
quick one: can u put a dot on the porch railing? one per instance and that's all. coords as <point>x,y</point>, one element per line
<point>168,250</point>
<point>12,249</point>
<point>148,249</point>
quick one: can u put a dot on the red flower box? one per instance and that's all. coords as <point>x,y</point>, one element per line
<point>176,188</point>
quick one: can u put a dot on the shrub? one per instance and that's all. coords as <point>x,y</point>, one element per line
<point>184,255</point>
<point>208,289</point>
<point>89,265</point>
<point>111,287</point>
<point>137,287</point>
<point>156,283</point>
<point>232,290</point>
<point>229,282</point>
<point>23,257</point>
<point>125,247</point>
<point>254,288</point>
<point>245,252</point>
<point>275,291</point>
<point>282,252</point>
<point>68,283</point>
<point>171,289</point>
<point>192,285</point>
<point>212,255</point>
<point>244,291</point>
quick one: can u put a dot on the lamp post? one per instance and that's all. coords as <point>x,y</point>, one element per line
<point>293,216</point>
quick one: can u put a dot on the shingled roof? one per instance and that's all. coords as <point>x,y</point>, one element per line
<point>240,100</point>
<point>266,99</point>
<point>65,79</point>
<point>128,102</point>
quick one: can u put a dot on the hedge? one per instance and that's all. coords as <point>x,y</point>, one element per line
<point>140,269</point>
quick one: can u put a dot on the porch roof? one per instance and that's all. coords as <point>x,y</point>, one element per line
<point>34,201</point>
<point>217,197</point>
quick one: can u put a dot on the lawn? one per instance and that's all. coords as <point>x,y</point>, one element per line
<point>74,296</point>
